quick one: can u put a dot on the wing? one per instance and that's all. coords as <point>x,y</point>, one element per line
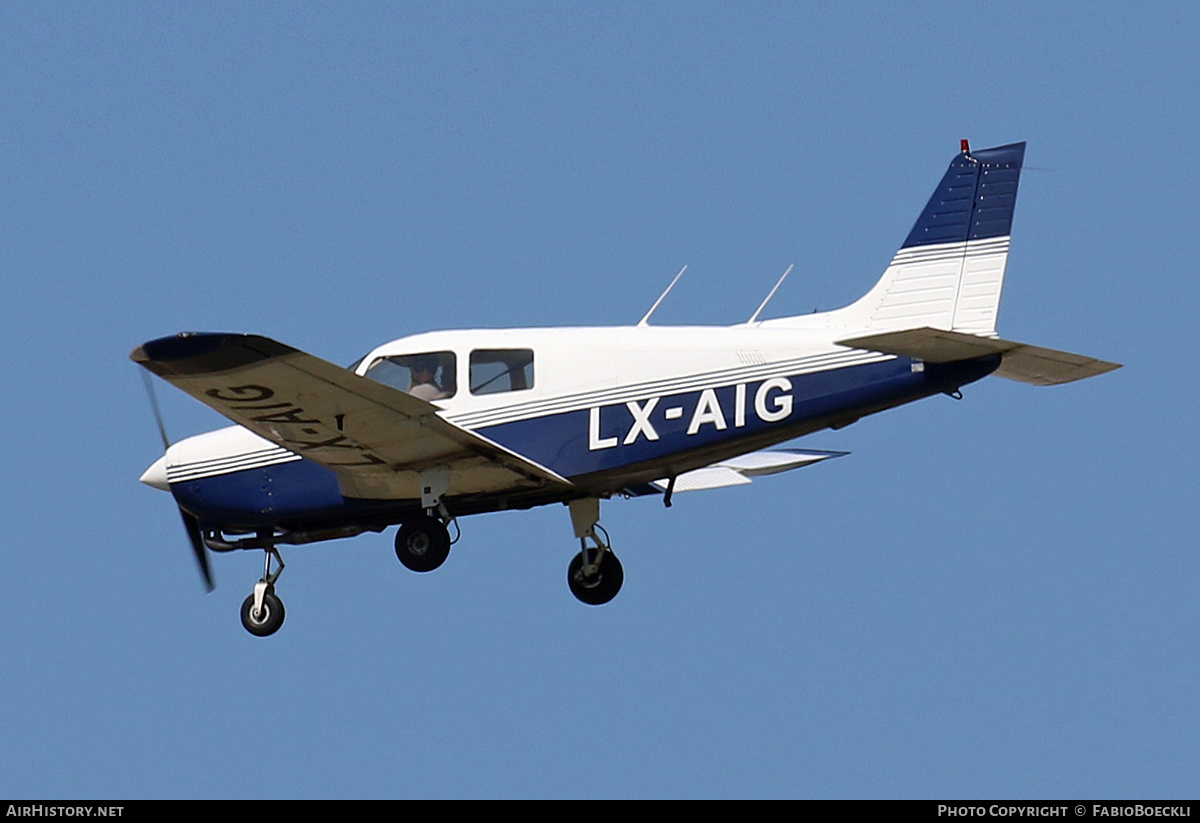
<point>377,439</point>
<point>1020,361</point>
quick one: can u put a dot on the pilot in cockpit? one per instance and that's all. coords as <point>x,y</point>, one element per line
<point>422,372</point>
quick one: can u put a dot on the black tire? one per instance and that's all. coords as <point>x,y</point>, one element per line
<point>271,618</point>
<point>422,544</point>
<point>600,587</point>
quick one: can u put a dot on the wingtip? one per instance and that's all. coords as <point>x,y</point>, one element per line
<point>193,352</point>
<point>175,347</point>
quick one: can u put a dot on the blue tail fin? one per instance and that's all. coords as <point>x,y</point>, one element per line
<point>975,199</point>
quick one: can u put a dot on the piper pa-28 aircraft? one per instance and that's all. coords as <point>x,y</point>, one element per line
<point>430,427</point>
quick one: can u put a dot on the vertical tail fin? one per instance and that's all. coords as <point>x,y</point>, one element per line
<point>950,270</point>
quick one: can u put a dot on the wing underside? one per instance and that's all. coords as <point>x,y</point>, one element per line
<point>376,439</point>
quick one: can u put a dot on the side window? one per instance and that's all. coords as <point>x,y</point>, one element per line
<point>429,375</point>
<point>501,370</point>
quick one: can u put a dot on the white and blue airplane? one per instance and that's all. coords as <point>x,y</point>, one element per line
<point>434,426</point>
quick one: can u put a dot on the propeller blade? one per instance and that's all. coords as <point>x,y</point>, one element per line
<point>192,525</point>
<point>158,418</point>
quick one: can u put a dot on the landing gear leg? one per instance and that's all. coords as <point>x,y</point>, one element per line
<point>595,575</point>
<point>423,543</point>
<point>262,611</point>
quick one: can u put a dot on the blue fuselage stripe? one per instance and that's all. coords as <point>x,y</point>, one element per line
<point>607,437</point>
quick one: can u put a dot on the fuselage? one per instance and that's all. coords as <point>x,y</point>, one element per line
<point>609,409</point>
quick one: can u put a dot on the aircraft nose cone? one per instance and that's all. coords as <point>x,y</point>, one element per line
<point>156,475</point>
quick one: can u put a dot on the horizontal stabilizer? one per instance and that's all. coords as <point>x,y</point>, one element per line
<point>738,471</point>
<point>1021,362</point>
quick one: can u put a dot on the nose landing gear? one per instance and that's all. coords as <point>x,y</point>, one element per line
<point>262,611</point>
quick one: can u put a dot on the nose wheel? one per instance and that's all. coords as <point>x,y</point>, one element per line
<point>265,619</point>
<point>262,611</point>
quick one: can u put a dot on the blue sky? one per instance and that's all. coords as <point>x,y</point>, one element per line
<point>990,598</point>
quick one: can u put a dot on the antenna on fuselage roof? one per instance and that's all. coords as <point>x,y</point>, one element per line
<point>770,294</point>
<point>645,321</point>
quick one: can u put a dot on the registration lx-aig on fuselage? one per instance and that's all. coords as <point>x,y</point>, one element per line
<point>435,426</point>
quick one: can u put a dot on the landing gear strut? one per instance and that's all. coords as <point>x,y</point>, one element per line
<point>595,575</point>
<point>262,611</point>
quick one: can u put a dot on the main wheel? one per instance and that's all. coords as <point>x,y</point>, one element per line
<point>422,544</point>
<point>600,586</point>
<point>268,620</point>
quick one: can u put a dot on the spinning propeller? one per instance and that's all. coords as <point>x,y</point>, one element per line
<point>190,524</point>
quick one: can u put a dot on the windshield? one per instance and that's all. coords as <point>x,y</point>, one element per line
<point>427,375</point>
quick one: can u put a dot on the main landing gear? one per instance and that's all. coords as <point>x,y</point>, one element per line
<point>423,542</point>
<point>595,575</point>
<point>262,611</point>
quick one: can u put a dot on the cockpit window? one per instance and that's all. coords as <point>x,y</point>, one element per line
<point>501,370</point>
<point>429,375</point>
